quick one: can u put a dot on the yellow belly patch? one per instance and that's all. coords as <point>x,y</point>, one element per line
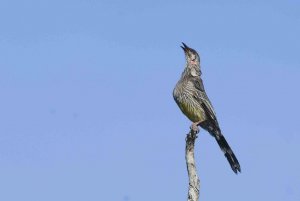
<point>194,113</point>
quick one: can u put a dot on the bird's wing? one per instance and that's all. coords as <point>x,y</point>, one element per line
<point>202,98</point>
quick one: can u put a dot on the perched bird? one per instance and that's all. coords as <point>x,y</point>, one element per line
<point>190,96</point>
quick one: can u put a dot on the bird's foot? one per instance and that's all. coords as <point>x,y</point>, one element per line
<point>194,128</point>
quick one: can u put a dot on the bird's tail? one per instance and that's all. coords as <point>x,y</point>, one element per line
<point>234,163</point>
<point>211,125</point>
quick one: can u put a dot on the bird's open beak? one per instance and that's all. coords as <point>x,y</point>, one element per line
<point>184,47</point>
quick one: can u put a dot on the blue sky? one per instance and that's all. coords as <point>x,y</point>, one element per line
<point>86,99</point>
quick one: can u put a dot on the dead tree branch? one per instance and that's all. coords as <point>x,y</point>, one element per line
<point>194,182</point>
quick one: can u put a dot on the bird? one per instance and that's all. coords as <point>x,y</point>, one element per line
<point>191,98</point>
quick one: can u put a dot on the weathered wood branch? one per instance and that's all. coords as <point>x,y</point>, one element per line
<point>194,182</point>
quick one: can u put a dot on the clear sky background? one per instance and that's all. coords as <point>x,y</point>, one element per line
<point>87,112</point>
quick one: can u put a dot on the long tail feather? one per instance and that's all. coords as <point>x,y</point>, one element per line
<point>234,163</point>
<point>212,126</point>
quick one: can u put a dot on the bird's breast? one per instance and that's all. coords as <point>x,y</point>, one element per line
<point>188,104</point>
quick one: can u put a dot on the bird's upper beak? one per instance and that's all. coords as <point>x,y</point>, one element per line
<point>184,47</point>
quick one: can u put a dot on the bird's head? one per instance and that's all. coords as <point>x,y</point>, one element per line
<point>191,56</point>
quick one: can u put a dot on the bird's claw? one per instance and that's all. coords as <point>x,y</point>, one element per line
<point>194,128</point>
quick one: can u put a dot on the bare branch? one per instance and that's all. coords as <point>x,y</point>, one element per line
<point>194,182</point>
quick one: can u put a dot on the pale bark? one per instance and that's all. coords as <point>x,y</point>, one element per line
<point>194,182</point>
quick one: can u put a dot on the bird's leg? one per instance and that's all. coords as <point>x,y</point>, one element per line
<point>194,127</point>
